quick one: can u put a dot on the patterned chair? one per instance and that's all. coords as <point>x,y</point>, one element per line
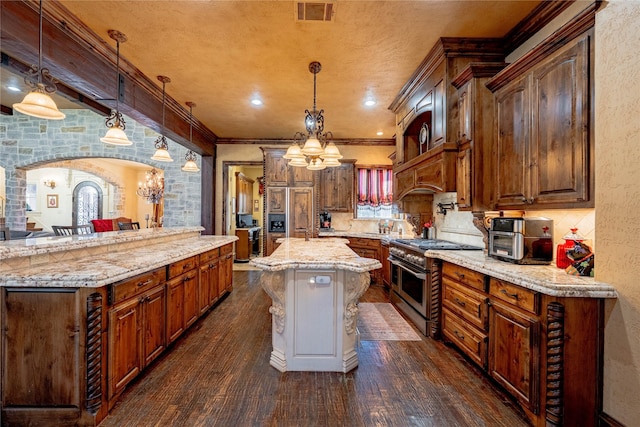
<point>68,230</point>
<point>129,225</point>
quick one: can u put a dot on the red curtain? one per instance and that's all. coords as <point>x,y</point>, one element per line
<point>375,187</point>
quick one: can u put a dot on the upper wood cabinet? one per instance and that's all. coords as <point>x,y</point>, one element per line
<point>301,217</point>
<point>475,135</point>
<point>279,174</point>
<point>543,143</point>
<point>336,187</point>
<point>430,98</point>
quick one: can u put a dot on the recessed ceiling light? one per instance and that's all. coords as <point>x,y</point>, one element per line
<point>256,101</point>
<point>14,89</point>
<point>379,133</point>
<point>369,103</point>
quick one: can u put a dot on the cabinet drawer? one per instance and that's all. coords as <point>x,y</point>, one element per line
<point>513,294</point>
<point>226,249</point>
<point>465,276</point>
<point>179,267</point>
<point>136,285</point>
<point>470,305</point>
<point>209,255</point>
<point>473,343</point>
<point>364,243</point>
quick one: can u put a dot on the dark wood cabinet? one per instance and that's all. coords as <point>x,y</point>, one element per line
<point>337,187</point>
<point>543,141</point>
<point>182,297</point>
<point>208,280</point>
<point>514,353</point>
<point>272,244</point>
<point>277,200</point>
<point>386,265</point>
<point>475,135</point>
<point>244,194</point>
<point>275,168</point>
<point>301,218</point>
<point>225,270</point>
<point>368,248</point>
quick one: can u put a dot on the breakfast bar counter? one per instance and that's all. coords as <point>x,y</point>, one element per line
<point>315,286</point>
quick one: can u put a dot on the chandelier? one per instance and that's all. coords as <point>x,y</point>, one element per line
<point>162,148</point>
<point>38,103</point>
<point>190,157</point>
<point>153,187</point>
<point>115,122</point>
<point>315,151</point>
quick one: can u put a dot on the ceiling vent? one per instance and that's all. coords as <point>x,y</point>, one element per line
<point>315,12</point>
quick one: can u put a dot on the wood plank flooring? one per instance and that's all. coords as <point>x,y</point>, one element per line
<point>218,374</point>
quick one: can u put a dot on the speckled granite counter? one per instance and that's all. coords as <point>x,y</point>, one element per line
<point>377,236</point>
<point>314,286</point>
<point>546,279</point>
<point>99,259</point>
<point>323,253</point>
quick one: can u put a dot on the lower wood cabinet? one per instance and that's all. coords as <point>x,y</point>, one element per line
<point>225,270</point>
<point>208,280</point>
<point>367,248</point>
<point>136,336</point>
<point>386,265</point>
<point>182,297</point>
<point>544,350</point>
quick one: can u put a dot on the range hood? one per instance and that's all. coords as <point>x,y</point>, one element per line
<point>429,173</point>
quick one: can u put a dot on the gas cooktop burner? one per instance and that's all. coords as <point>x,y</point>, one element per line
<point>436,244</point>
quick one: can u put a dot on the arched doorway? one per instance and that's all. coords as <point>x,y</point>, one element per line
<point>87,203</point>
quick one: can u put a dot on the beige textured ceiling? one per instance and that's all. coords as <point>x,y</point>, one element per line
<point>219,54</point>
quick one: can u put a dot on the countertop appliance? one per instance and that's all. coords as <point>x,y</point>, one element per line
<point>522,240</point>
<point>412,280</point>
<point>325,221</point>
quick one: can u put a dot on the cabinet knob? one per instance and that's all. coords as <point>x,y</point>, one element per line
<point>460,302</point>
<point>514,296</point>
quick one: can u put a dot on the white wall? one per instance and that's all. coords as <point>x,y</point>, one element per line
<point>618,200</point>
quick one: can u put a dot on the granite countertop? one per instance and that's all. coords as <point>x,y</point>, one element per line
<point>365,235</point>
<point>103,268</point>
<point>325,253</point>
<point>547,279</point>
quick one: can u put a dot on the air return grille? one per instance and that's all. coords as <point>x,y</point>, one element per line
<point>315,11</point>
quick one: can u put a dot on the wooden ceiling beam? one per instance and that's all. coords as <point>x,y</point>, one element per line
<point>85,65</point>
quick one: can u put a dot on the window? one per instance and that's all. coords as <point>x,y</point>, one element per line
<point>32,197</point>
<point>375,192</point>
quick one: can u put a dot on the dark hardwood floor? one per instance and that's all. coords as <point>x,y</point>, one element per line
<point>218,374</point>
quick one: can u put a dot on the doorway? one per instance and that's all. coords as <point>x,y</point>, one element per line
<point>87,203</point>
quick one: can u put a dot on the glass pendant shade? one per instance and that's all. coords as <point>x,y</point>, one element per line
<point>116,136</point>
<point>316,164</point>
<point>330,163</point>
<point>298,162</point>
<point>293,152</point>
<point>331,152</point>
<point>190,166</point>
<point>162,155</point>
<point>312,147</point>
<point>38,103</point>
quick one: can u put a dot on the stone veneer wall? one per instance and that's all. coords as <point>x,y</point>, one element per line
<point>27,143</point>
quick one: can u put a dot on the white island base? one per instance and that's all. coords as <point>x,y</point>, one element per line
<point>315,287</point>
<point>314,316</point>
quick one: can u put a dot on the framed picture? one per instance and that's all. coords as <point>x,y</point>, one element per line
<point>52,200</point>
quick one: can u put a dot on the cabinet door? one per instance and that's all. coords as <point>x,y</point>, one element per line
<point>213,281</point>
<point>300,211</point>
<point>514,359</point>
<point>276,200</point>
<point>276,168</point>
<point>386,265</point>
<point>464,177</point>
<point>153,328</point>
<point>511,179</point>
<point>124,344</point>
<point>191,308</point>
<point>560,127</point>
<point>301,177</point>
<point>438,117</point>
<point>336,188</point>
<point>225,274</point>
<point>175,308</point>
<point>271,242</point>
<point>243,245</point>
<point>204,287</point>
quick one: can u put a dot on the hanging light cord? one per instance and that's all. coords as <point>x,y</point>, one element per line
<point>40,47</point>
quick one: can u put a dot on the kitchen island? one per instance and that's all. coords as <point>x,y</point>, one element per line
<point>315,286</point>
<point>82,316</point>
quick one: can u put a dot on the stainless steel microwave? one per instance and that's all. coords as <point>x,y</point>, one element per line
<point>522,240</point>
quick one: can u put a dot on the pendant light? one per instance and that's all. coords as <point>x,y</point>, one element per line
<point>190,157</point>
<point>317,148</point>
<point>115,122</point>
<point>38,103</point>
<point>162,148</point>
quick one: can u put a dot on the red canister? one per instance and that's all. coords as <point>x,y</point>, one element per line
<point>562,260</point>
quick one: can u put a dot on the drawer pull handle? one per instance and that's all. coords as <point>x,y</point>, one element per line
<point>459,335</point>
<point>145,283</point>
<point>460,302</point>
<point>514,296</point>
<point>460,275</point>
<point>184,267</point>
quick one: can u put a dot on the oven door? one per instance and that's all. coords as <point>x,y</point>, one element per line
<point>411,286</point>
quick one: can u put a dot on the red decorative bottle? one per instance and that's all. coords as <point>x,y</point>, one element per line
<point>562,260</point>
<point>543,247</point>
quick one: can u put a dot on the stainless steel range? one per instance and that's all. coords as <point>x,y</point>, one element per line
<point>415,280</point>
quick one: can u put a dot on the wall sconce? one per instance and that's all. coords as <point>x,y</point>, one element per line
<point>444,207</point>
<point>50,183</point>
